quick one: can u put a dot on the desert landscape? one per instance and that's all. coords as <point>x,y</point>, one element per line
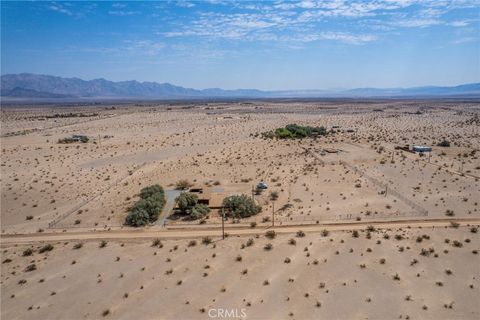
<point>350,220</point>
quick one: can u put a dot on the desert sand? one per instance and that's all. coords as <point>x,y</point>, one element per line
<point>87,188</point>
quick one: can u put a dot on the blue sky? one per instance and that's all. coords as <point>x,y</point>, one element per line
<point>239,44</point>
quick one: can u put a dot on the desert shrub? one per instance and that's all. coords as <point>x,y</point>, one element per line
<point>444,143</point>
<point>45,248</point>
<point>182,185</point>
<point>206,240</point>
<point>270,234</point>
<point>27,252</point>
<point>457,243</point>
<point>157,243</point>
<point>31,267</point>
<point>268,247</point>
<point>300,234</point>
<point>78,245</point>
<point>273,195</point>
<point>325,233</point>
<point>355,234</point>
<point>454,224</point>
<point>240,206</point>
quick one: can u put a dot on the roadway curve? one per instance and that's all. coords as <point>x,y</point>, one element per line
<point>197,232</point>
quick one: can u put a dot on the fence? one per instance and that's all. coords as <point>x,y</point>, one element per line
<point>53,224</point>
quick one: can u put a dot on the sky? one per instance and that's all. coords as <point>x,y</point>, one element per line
<point>268,45</point>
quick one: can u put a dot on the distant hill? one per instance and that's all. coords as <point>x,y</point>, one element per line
<point>465,89</point>
<point>26,85</point>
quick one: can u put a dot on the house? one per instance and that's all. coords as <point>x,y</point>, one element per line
<point>80,138</point>
<point>421,149</point>
<point>209,196</point>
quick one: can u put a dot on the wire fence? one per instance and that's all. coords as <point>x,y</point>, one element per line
<point>55,223</point>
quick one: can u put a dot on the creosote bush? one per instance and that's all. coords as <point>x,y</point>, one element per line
<point>270,234</point>
<point>45,248</point>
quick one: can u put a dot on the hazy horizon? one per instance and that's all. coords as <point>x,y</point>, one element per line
<point>249,88</point>
<point>305,45</point>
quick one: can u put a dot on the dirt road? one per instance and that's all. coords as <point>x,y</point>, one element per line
<point>191,232</point>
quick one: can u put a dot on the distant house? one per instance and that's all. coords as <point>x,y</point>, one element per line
<point>421,149</point>
<point>80,138</point>
<point>74,138</point>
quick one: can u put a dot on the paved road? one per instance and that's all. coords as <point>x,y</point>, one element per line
<point>192,232</point>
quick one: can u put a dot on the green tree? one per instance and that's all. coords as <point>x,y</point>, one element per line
<point>188,206</point>
<point>150,191</point>
<point>240,206</point>
<point>138,218</point>
<point>148,208</point>
<point>186,201</point>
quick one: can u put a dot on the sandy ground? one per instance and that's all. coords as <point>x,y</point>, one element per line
<point>51,187</point>
<point>343,274</point>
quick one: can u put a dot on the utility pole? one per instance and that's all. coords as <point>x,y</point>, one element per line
<point>223,224</point>
<point>273,213</point>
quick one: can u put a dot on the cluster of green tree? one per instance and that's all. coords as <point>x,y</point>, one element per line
<point>240,206</point>
<point>189,207</point>
<point>148,208</point>
<point>294,131</point>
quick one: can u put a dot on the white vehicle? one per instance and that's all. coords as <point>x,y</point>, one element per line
<point>262,185</point>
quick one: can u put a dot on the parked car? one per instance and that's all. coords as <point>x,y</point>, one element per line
<point>262,185</point>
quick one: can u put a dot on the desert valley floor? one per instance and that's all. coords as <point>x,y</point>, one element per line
<point>364,228</point>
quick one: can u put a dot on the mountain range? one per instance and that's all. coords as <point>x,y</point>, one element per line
<point>33,86</point>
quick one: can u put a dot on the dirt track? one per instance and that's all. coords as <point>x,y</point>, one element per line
<point>189,232</point>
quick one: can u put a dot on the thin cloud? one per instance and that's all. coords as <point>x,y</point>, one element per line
<point>123,13</point>
<point>60,8</point>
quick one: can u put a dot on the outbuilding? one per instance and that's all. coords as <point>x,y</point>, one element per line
<point>421,149</point>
